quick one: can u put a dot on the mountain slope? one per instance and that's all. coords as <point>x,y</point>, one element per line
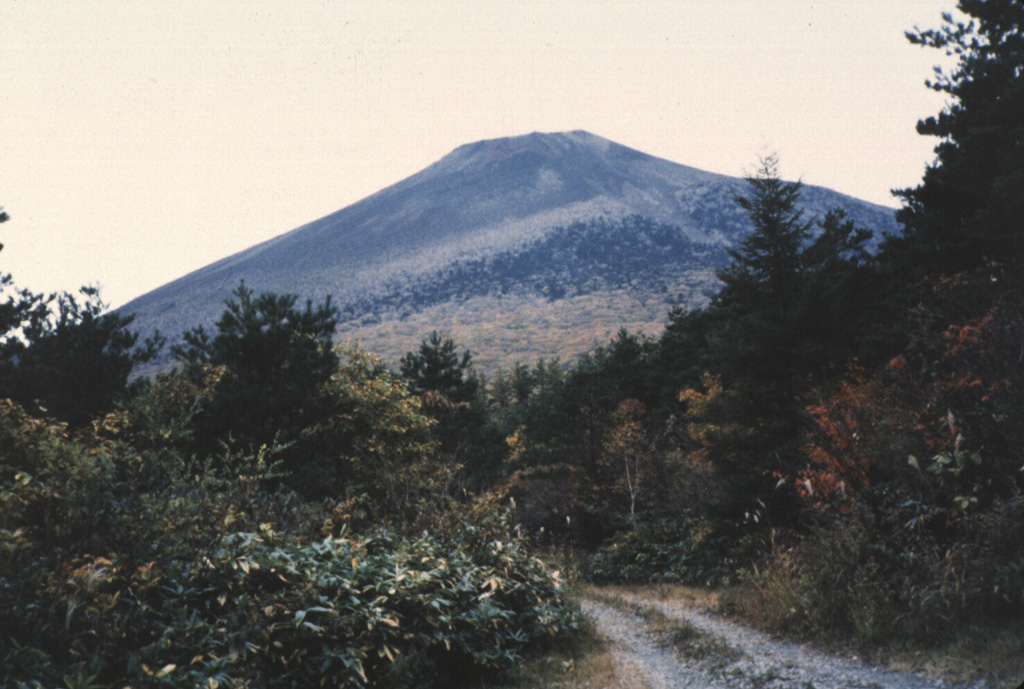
<point>551,231</point>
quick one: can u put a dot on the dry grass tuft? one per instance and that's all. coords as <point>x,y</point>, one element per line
<point>990,653</point>
<point>676,595</point>
<point>587,664</point>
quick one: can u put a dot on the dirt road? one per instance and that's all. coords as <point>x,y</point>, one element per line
<point>710,652</point>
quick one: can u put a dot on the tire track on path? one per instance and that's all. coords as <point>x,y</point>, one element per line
<point>637,650</point>
<point>763,662</point>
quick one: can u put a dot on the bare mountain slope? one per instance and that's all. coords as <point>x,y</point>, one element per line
<point>525,246</point>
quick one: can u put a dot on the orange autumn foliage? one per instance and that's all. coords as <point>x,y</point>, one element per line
<point>947,389</point>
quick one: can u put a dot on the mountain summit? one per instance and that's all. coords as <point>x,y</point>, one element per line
<point>524,246</point>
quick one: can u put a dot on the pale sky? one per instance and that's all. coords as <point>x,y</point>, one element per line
<point>141,140</point>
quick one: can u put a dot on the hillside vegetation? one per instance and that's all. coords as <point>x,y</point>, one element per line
<point>833,439</point>
<point>559,295</point>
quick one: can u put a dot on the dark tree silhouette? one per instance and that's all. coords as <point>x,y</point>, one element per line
<point>969,207</point>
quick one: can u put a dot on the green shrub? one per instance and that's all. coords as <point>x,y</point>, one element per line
<point>267,610</point>
<point>874,577</point>
<point>688,551</point>
<point>129,567</point>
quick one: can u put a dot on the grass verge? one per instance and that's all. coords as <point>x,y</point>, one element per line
<point>990,653</point>
<point>584,663</point>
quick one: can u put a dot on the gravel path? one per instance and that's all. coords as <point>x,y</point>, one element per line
<point>762,662</point>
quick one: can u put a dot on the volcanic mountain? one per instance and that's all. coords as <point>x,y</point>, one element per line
<point>537,245</point>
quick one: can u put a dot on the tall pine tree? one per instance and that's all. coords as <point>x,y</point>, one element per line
<point>757,305</point>
<point>276,360</point>
<point>969,207</point>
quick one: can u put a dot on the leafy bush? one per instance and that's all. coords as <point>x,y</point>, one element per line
<point>687,550</point>
<point>870,576</point>
<point>136,567</point>
<point>267,610</point>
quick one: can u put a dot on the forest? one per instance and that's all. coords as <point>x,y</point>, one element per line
<point>593,256</point>
<point>834,441</point>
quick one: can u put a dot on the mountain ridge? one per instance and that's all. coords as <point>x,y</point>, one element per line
<point>483,200</point>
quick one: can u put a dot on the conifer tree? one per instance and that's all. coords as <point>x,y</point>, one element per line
<point>436,367</point>
<point>65,358</point>
<point>73,362</point>
<point>449,390</point>
<point>522,382</point>
<point>276,359</point>
<point>768,259</point>
<point>760,289</point>
<point>969,207</point>
<point>785,312</point>
<point>19,307</point>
